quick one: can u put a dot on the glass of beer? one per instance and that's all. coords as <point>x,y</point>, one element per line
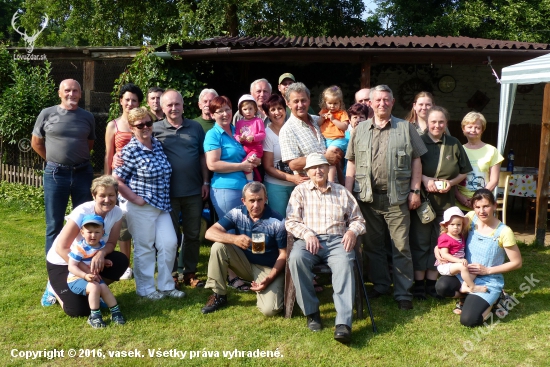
<point>258,243</point>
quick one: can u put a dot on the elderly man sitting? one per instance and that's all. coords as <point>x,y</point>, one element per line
<point>326,219</point>
<point>263,265</point>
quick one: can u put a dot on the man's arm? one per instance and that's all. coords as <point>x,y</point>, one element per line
<point>90,144</point>
<point>297,164</point>
<point>39,146</point>
<point>217,233</point>
<point>205,177</point>
<point>416,178</point>
<point>277,269</point>
<point>350,176</point>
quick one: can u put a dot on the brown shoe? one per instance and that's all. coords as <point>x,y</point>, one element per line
<point>214,303</point>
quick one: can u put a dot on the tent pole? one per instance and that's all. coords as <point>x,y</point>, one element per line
<point>544,168</point>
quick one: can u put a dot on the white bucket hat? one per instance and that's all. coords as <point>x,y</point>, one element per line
<point>449,213</point>
<point>315,159</point>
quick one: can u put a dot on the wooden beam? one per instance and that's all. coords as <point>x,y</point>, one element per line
<point>365,75</point>
<point>88,83</point>
<point>544,168</point>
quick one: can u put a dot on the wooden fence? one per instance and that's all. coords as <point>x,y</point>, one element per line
<point>22,175</point>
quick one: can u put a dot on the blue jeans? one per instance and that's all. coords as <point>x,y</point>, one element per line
<point>224,200</point>
<point>278,197</point>
<point>60,184</point>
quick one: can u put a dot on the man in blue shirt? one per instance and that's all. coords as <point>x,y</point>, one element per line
<point>263,267</point>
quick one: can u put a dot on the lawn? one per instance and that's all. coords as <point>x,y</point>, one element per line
<point>429,335</point>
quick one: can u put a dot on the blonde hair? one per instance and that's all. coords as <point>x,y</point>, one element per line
<point>334,91</point>
<point>412,116</point>
<point>138,113</point>
<point>472,117</point>
<point>465,226</point>
<point>104,181</point>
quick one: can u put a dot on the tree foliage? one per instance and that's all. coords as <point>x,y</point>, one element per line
<point>29,90</point>
<point>516,20</point>
<point>148,70</point>
<point>128,22</point>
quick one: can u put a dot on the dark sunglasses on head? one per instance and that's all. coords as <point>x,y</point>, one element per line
<point>141,126</point>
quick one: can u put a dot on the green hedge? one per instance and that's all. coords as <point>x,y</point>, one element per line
<point>22,197</point>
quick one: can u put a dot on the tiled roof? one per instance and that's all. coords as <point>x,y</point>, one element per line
<point>361,42</point>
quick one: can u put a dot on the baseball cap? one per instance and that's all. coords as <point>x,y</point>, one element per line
<point>286,76</point>
<point>315,159</point>
<point>449,213</point>
<point>92,218</point>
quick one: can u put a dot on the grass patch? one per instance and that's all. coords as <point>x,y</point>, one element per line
<point>429,335</point>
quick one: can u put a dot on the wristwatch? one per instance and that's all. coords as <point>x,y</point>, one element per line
<point>417,192</point>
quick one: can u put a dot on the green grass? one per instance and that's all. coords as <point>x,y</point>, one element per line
<point>429,335</point>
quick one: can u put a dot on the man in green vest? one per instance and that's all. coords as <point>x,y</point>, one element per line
<point>384,158</point>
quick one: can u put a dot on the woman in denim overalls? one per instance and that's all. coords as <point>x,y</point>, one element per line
<point>489,240</point>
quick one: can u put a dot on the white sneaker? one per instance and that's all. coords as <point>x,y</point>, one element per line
<point>174,293</point>
<point>128,274</point>
<point>155,296</point>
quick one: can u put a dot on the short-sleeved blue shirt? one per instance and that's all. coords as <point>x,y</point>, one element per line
<point>271,224</point>
<point>231,151</point>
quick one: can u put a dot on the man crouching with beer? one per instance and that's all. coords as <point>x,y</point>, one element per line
<point>256,252</point>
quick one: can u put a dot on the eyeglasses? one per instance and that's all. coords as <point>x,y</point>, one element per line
<point>141,126</point>
<point>221,112</point>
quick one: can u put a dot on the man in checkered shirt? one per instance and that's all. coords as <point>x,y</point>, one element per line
<point>326,220</point>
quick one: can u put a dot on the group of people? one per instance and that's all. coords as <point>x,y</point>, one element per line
<point>333,181</point>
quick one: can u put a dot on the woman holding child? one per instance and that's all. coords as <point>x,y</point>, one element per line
<point>489,242</point>
<point>107,263</point>
<point>444,166</point>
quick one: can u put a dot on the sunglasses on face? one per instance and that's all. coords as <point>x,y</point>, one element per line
<point>141,126</point>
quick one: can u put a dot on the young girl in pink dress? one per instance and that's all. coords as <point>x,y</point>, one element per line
<point>451,244</point>
<point>250,131</point>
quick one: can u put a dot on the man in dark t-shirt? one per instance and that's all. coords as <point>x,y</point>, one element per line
<point>182,141</point>
<point>64,136</point>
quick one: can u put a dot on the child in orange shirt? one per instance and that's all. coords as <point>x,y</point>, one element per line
<point>333,123</point>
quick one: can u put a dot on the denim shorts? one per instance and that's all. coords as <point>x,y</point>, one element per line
<point>79,286</point>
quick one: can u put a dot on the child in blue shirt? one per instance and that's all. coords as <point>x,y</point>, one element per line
<point>84,283</point>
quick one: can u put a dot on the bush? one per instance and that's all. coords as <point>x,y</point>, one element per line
<point>28,90</point>
<point>22,197</point>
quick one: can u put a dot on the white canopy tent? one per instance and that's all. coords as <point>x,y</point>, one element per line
<point>532,71</point>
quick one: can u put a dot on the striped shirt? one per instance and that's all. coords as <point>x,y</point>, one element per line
<point>334,211</point>
<point>83,252</point>
<point>147,173</point>
<point>297,140</point>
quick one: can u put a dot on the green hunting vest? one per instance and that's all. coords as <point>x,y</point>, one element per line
<point>399,153</point>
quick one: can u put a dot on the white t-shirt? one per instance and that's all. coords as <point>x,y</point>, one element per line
<point>76,216</point>
<point>271,144</point>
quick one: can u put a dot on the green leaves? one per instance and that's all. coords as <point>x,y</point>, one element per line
<point>28,90</point>
<point>148,70</point>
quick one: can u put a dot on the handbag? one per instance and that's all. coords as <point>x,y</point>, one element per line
<point>425,211</point>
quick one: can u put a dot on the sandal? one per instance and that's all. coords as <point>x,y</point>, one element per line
<point>192,281</point>
<point>500,307</point>
<point>458,306</point>
<point>242,288</point>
